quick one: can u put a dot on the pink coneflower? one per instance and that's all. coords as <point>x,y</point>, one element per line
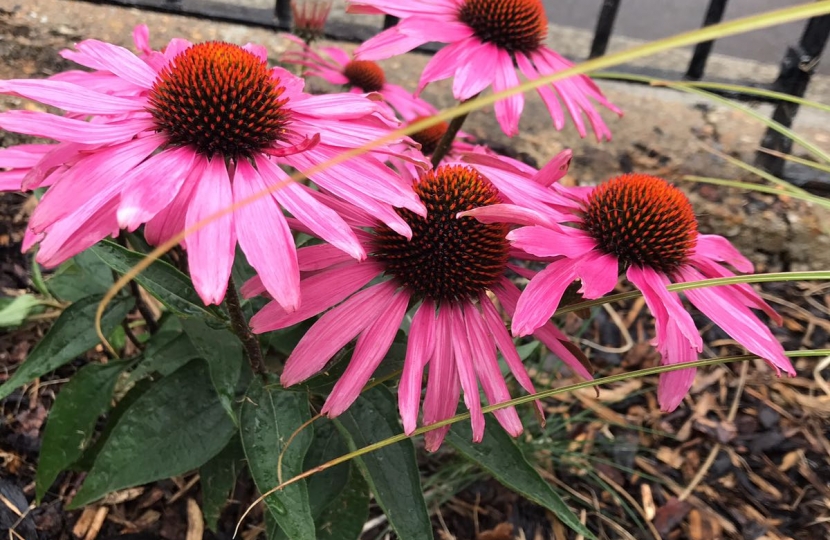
<point>203,130</point>
<point>485,38</point>
<point>451,269</point>
<point>336,66</point>
<point>646,227</point>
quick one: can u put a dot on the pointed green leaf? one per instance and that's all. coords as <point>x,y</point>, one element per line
<point>391,472</point>
<point>498,454</point>
<point>223,352</point>
<point>217,478</point>
<point>344,517</point>
<point>72,419</point>
<point>268,418</point>
<point>81,276</point>
<point>72,334</point>
<point>170,286</point>
<point>175,427</point>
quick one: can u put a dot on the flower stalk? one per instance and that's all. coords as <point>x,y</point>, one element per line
<point>241,329</point>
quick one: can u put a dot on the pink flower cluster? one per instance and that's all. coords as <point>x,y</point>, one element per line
<point>199,138</point>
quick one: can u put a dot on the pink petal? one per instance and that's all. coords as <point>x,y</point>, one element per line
<point>509,213</point>
<point>371,347</point>
<point>170,221</point>
<point>599,273</point>
<point>442,65</point>
<point>443,386</point>
<point>719,248</point>
<point>419,347</point>
<point>477,72</point>
<point>320,292</point>
<point>552,242</point>
<point>118,60</point>
<point>210,249</point>
<point>545,91</point>
<point>61,128</point>
<point>64,241</point>
<point>463,356</point>
<point>673,386</point>
<point>387,44</point>
<point>508,110</point>
<point>71,97</point>
<point>265,238</point>
<point>149,187</point>
<point>555,169</point>
<point>335,330</point>
<point>541,297</point>
<point>483,351</point>
<point>141,38</point>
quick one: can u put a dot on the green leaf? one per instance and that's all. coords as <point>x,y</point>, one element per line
<point>72,419</point>
<point>498,454</point>
<point>14,312</point>
<point>223,352</point>
<point>344,518</point>
<point>81,276</point>
<point>323,487</point>
<point>171,287</point>
<point>72,334</point>
<point>268,418</point>
<point>217,478</point>
<point>176,426</point>
<point>391,472</point>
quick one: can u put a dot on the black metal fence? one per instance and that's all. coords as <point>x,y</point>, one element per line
<point>798,64</point>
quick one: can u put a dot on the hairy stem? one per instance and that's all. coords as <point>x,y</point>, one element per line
<point>242,330</point>
<point>445,143</point>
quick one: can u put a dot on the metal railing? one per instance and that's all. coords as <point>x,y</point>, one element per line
<point>797,67</point>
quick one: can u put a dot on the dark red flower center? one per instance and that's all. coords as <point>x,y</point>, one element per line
<point>448,258</point>
<point>220,99</point>
<point>429,137</point>
<point>513,25</point>
<point>365,74</point>
<point>643,220</point>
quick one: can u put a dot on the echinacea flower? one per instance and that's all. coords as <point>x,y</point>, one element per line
<point>647,228</point>
<point>203,130</point>
<point>485,38</point>
<point>309,17</point>
<point>449,271</point>
<point>336,66</point>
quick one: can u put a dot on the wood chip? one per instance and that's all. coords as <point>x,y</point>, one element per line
<point>649,508</point>
<point>195,521</point>
<point>122,496</point>
<point>84,522</point>
<point>97,523</point>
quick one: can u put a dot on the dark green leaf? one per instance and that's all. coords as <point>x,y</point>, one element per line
<point>217,478</point>
<point>174,427</point>
<point>344,518</point>
<point>72,419</point>
<point>324,486</point>
<point>268,418</point>
<point>223,352</point>
<point>498,454</point>
<point>71,335</point>
<point>391,472</point>
<point>81,276</point>
<point>171,287</point>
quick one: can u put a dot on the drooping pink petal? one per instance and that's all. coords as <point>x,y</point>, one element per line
<point>320,292</point>
<point>483,350</point>
<point>545,91</point>
<point>719,248</point>
<point>599,274</point>
<point>322,220</point>
<point>210,250</point>
<point>141,38</point>
<point>463,356</point>
<point>149,187</point>
<point>265,238</point>
<point>509,213</point>
<point>335,330</point>
<point>442,65</point>
<point>419,349</point>
<point>541,297</point>
<point>508,110</point>
<point>737,321</point>
<point>62,242</point>
<point>170,221</point>
<point>387,44</point>
<point>673,386</point>
<point>552,242</point>
<point>555,169</point>
<point>371,347</point>
<point>670,317</point>
<point>113,58</point>
<point>443,386</point>
<point>444,9</point>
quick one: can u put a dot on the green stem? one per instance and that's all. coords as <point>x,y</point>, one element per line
<point>242,330</point>
<point>445,143</point>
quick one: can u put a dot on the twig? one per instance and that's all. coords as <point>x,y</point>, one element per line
<point>143,308</point>
<point>241,329</point>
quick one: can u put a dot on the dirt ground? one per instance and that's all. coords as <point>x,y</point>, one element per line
<point>746,457</point>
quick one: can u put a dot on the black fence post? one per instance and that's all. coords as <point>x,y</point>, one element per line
<point>714,15</point>
<point>283,12</point>
<point>605,25</point>
<point>796,69</point>
<point>389,21</point>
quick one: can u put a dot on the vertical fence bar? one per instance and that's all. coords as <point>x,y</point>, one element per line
<point>282,10</point>
<point>796,69</point>
<point>714,15</point>
<point>605,25</point>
